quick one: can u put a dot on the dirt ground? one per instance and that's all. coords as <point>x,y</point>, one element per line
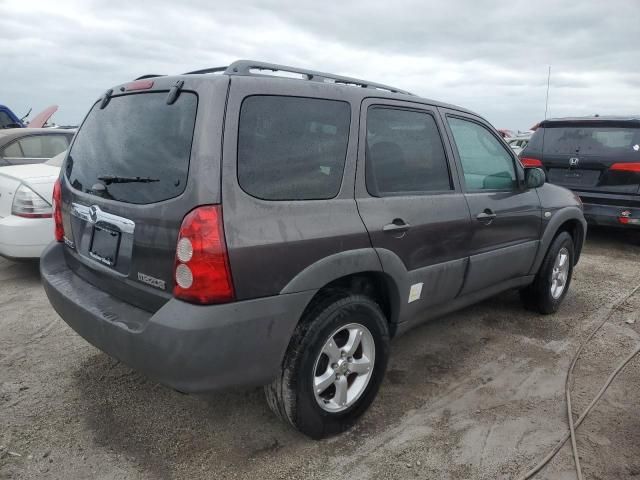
<point>474,395</point>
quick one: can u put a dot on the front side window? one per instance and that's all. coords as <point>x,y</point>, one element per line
<point>487,165</point>
<point>404,153</point>
<point>292,148</point>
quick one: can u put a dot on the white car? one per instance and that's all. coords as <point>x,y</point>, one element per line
<point>517,144</point>
<point>26,224</point>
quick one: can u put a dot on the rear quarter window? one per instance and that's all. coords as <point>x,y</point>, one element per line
<point>137,147</point>
<point>292,148</point>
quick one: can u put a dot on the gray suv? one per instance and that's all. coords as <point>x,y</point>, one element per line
<point>230,227</point>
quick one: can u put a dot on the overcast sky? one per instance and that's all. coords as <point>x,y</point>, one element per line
<point>488,56</point>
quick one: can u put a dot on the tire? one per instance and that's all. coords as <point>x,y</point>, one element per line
<point>292,395</point>
<point>540,296</point>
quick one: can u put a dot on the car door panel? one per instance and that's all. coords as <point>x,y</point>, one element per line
<point>506,219</point>
<point>496,266</point>
<point>421,238</point>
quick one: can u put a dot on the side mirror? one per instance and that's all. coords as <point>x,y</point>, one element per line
<point>534,177</point>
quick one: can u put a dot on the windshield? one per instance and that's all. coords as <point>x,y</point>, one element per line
<point>139,137</point>
<point>598,140</point>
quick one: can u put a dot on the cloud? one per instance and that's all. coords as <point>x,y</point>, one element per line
<point>488,56</point>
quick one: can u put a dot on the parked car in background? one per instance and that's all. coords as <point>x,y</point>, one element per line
<point>518,143</point>
<point>239,229</point>
<point>26,227</point>
<point>8,119</point>
<point>41,119</point>
<point>20,146</point>
<point>505,133</point>
<point>598,158</point>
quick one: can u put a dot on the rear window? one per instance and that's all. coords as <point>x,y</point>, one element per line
<point>136,149</point>
<point>292,148</point>
<point>595,140</point>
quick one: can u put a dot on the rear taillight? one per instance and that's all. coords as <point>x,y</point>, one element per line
<point>626,167</point>
<point>625,218</point>
<point>530,162</point>
<point>202,273</point>
<point>28,204</point>
<point>57,212</point>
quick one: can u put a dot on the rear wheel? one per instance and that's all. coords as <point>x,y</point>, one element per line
<point>333,367</point>
<point>551,284</point>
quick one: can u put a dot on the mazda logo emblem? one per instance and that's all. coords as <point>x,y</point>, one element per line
<point>93,213</point>
<point>573,161</point>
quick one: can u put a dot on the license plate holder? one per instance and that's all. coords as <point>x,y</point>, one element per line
<point>105,243</point>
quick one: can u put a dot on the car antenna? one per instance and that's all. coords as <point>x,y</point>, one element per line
<point>546,103</point>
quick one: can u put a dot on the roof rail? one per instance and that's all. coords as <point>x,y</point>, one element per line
<point>207,70</point>
<point>150,75</point>
<point>247,68</point>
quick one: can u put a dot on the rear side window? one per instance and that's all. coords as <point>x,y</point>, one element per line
<point>404,153</point>
<point>136,149</point>
<point>486,163</point>
<point>292,148</point>
<point>43,146</point>
<point>594,140</point>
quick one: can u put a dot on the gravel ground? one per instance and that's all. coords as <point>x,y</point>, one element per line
<point>476,394</point>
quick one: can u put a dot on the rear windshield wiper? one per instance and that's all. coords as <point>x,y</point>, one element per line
<point>109,179</point>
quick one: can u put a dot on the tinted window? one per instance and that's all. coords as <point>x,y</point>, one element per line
<point>404,153</point>
<point>486,163</point>
<point>135,136</point>
<point>596,140</point>
<point>292,148</point>
<point>43,146</point>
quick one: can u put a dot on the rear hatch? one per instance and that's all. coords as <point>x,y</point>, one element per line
<point>599,156</point>
<point>138,164</point>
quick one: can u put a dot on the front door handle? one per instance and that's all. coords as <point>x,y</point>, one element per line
<point>486,217</point>
<point>397,226</point>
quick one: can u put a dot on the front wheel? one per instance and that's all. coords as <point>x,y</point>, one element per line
<point>551,284</point>
<point>333,367</point>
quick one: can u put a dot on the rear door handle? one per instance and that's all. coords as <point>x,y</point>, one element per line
<point>487,216</point>
<point>397,226</point>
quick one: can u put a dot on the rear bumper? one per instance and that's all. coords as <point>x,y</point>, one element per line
<point>188,347</point>
<point>24,237</point>
<point>609,215</point>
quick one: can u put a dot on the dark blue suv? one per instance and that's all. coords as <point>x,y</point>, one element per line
<point>8,119</point>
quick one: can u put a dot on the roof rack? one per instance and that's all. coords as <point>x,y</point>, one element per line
<point>150,75</point>
<point>248,68</point>
<point>207,70</point>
